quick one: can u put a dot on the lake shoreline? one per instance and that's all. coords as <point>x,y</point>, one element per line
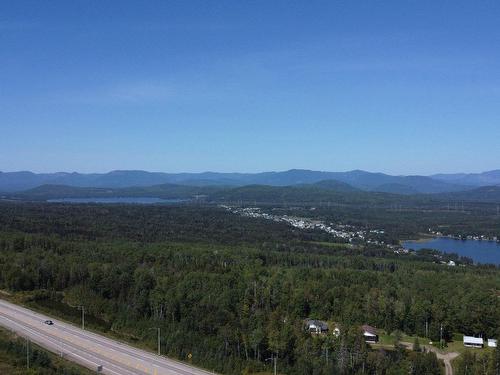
<point>421,239</point>
<point>485,252</point>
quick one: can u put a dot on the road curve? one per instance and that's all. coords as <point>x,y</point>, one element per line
<point>446,357</point>
<point>86,348</point>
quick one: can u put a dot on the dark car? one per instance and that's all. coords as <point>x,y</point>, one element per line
<point>49,322</point>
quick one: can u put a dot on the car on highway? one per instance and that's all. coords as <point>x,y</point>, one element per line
<point>49,322</point>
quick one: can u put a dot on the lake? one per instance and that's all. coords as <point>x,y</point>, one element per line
<point>115,200</point>
<point>479,251</point>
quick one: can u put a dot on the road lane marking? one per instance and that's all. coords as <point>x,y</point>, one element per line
<point>41,338</point>
<point>26,330</point>
<point>85,337</point>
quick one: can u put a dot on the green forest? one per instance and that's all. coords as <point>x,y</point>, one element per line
<point>234,292</point>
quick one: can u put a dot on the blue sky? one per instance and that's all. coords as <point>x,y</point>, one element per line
<point>404,87</point>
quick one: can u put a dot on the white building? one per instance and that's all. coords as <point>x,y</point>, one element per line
<point>473,342</point>
<point>492,343</point>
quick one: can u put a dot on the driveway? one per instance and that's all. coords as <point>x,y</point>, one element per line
<point>446,357</point>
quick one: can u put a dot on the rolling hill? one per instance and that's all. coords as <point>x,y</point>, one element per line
<point>489,178</point>
<point>482,194</point>
<point>19,181</point>
<point>164,191</point>
<point>322,191</point>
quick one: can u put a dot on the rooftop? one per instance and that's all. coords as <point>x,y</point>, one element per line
<point>473,340</point>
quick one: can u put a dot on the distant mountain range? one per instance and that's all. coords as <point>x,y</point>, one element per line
<point>489,178</point>
<point>326,191</point>
<point>322,191</point>
<point>357,179</point>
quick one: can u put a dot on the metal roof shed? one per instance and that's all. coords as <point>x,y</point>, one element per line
<point>473,342</point>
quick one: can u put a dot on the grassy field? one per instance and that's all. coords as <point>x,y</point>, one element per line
<point>456,345</point>
<point>334,245</point>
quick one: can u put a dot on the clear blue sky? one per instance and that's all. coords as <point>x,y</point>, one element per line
<point>394,86</point>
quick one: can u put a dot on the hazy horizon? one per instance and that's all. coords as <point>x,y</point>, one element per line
<point>246,172</point>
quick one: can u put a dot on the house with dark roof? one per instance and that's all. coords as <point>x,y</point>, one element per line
<point>316,326</point>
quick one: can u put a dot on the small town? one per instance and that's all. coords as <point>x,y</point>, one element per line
<point>345,232</point>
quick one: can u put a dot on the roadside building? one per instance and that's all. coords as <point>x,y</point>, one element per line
<point>492,343</point>
<point>473,342</point>
<point>370,334</point>
<point>316,326</point>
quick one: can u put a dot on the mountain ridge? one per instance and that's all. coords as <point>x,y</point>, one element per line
<point>359,179</point>
<point>323,191</point>
<point>487,178</point>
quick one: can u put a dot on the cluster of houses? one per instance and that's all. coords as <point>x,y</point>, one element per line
<point>346,232</point>
<point>315,326</point>
<point>470,237</point>
<point>479,342</point>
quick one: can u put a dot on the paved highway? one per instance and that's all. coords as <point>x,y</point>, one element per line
<point>87,348</point>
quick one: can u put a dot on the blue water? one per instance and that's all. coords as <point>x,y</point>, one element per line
<point>479,251</point>
<point>123,200</point>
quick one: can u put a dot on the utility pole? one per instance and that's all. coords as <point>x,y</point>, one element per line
<point>441,336</point>
<point>27,353</point>
<point>159,339</point>
<point>83,315</point>
<point>159,342</point>
<point>273,360</point>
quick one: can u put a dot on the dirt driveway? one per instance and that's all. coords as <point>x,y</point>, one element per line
<point>446,357</point>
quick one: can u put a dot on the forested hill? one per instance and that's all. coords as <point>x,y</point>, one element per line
<point>328,191</point>
<point>335,185</point>
<point>332,192</point>
<point>322,192</point>
<point>482,194</point>
<point>166,191</point>
<point>312,194</point>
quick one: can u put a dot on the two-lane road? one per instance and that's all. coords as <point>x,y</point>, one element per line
<point>87,348</point>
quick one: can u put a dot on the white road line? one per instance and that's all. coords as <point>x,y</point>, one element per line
<point>99,347</point>
<point>40,340</point>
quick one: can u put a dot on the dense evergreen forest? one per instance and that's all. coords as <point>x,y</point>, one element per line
<point>234,291</point>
